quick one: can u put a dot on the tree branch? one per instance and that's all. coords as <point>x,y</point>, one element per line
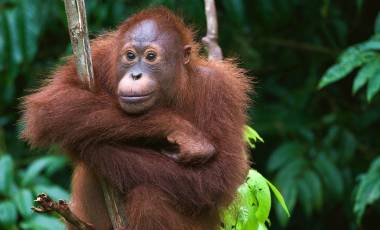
<point>300,46</point>
<point>77,23</point>
<point>62,208</point>
<point>115,207</point>
<point>211,38</point>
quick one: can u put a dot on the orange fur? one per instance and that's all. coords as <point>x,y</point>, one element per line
<point>101,138</point>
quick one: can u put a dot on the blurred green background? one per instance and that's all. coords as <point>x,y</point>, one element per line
<point>322,140</point>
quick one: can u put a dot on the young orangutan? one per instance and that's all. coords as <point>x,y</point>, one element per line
<point>164,126</point>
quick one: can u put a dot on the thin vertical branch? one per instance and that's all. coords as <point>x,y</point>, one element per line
<point>211,38</point>
<point>115,205</point>
<point>77,22</point>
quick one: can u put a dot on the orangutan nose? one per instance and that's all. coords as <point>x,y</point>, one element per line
<point>136,76</point>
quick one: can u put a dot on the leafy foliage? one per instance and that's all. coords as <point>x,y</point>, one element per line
<point>251,208</point>
<point>365,55</point>
<point>317,142</point>
<point>305,173</point>
<point>20,29</point>
<point>19,187</point>
<point>251,137</point>
<point>368,191</point>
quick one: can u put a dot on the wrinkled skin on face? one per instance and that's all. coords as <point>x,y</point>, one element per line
<point>150,59</point>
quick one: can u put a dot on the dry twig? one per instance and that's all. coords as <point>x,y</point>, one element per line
<point>115,205</point>
<point>76,17</point>
<point>62,208</point>
<point>77,22</point>
<point>211,38</point>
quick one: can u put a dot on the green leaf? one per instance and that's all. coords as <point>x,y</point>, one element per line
<point>58,163</point>
<point>246,207</point>
<point>252,223</point>
<point>290,193</point>
<point>368,190</point>
<point>373,85</point>
<point>258,184</point>
<point>314,183</point>
<point>330,175</point>
<point>236,9</point>
<point>291,170</point>
<point>30,20</point>
<point>6,174</point>
<point>3,42</point>
<point>55,192</point>
<point>355,54</point>
<point>15,42</point>
<point>286,180</point>
<point>8,213</point>
<point>240,213</point>
<point>284,154</point>
<point>305,196</point>
<point>369,45</point>
<point>349,145</point>
<point>251,136</point>
<point>310,191</point>
<point>279,197</point>
<point>349,60</point>
<point>43,222</point>
<point>24,201</point>
<point>261,226</point>
<point>377,24</point>
<point>336,72</point>
<point>35,169</point>
<point>365,73</point>
<point>331,136</point>
<point>230,216</point>
<point>252,207</point>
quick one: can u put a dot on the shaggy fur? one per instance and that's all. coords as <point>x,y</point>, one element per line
<point>92,128</point>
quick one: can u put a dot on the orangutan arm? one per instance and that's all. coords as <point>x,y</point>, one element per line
<point>64,113</point>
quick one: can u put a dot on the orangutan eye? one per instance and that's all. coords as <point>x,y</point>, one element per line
<point>130,55</point>
<point>151,56</point>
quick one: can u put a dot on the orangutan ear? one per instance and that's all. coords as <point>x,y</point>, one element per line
<point>186,54</point>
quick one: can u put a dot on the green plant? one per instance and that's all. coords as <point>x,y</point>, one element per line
<point>368,189</point>
<point>307,172</point>
<point>251,137</point>
<point>287,49</point>
<point>365,56</point>
<point>18,187</point>
<point>250,210</point>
